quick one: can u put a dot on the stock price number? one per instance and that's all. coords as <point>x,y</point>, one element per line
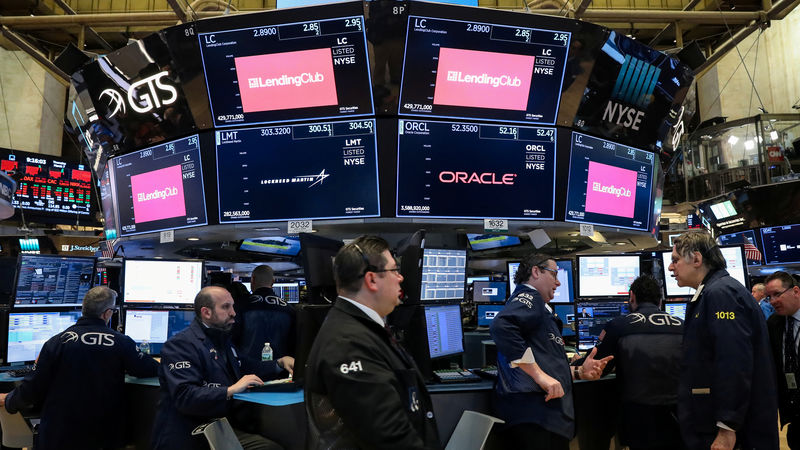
<point>523,33</point>
<point>145,154</point>
<point>610,146</point>
<point>478,28</point>
<point>323,128</point>
<point>361,125</point>
<point>353,23</point>
<point>268,31</point>
<point>464,128</point>
<point>561,37</point>
<point>509,131</point>
<point>192,141</point>
<point>280,131</point>
<point>312,27</point>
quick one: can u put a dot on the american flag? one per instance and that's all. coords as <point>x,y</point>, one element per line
<point>107,248</point>
<point>751,252</point>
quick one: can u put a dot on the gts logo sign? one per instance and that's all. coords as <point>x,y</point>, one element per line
<point>179,365</point>
<point>95,338</point>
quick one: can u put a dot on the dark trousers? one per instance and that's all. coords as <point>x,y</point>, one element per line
<point>793,435</point>
<point>529,436</point>
<point>255,441</point>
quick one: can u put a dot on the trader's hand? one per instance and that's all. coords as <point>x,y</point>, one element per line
<point>592,369</point>
<point>725,440</point>
<point>244,383</point>
<point>549,385</point>
<point>3,400</point>
<point>287,362</point>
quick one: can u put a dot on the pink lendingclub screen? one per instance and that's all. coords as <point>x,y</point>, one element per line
<point>610,190</point>
<point>483,79</point>
<point>288,80</point>
<point>158,195</point>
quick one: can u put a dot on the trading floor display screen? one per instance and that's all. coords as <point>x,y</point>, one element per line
<point>160,188</point>
<point>486,314</point>
<point>445,335</point>
<point>609,184</point>
<point>475,70</point>
<point>467,170</point>
<point>156,326</point>
<point>27,332</point>
<point>289,71</point>
<point>443,274</point>
<point>592,318</point>
<point>781,244</point>
<point>606,276</point>
<point>287,291</point>
<point>322,170</point>
<point>44,280</point>
<point>750,243</point>
<point>676,309</point>
<point>161,281</point>
<point>489,291</point>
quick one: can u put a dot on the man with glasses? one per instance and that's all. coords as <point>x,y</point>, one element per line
<point>784,331</point>
<point>79,380</point>
<point>362,389</point>
<point>534,389</point>
<point>726,394</point>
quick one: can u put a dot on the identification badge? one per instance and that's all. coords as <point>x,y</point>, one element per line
<point>791,381</point>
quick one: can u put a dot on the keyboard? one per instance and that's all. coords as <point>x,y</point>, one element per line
<point>20,372</point>
<point>489,372</point>
<point>455,376</point>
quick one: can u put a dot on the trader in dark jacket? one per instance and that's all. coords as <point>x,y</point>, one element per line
<point>534,386</point>
<point>201,370</point>
<point>80,378</point>
<point>784,330</point>
<point>362,389</point>
<point>646,345</point>
<point>265,317</point>
<point>727,392</point>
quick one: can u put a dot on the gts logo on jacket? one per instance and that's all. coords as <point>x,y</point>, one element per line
<point>91,338</point>
<point>269,300</point>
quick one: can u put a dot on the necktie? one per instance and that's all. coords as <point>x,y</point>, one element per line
<point>789,347</point>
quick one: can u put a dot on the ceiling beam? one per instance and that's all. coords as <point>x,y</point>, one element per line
<point>26,47</point>
<point>582,8</point>
<point>89,31</point>
<point>689,6</point>
<point>178,10</point>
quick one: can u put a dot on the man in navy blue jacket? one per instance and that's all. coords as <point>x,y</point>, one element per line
<point>727,394</point>
<point>534,386</point>
<point>200,372</point>
<point>79,380</point>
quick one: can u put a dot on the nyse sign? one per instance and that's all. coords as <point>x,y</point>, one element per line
<point>143,96</point>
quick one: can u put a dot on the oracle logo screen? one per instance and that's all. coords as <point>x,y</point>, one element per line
<point>486,71</point>
<point>267,72</point>
<point>286,80</point>
<point>609,184</point>
<point>159,188</point>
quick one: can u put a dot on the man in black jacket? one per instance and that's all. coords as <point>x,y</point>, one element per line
<point>726,394</point>
<point>784,329</point>
<point>265,317</point>
<point>80,378</point>
<point>362,389</point>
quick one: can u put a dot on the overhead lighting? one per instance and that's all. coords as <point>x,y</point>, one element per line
<point>749,144</point>
<point>733,140</point>
<point>621,243</point>
<point>574,234</point>
<point>267,229</point>
<point>774,135</point>
<point>193,238</point>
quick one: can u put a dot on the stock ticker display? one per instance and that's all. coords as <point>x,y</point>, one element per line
<point>609,184</point>
<point>469,170</point>
<point>476,70</point>
<point>291,71</point>
<point>321,170</point>
<point>160,188</point>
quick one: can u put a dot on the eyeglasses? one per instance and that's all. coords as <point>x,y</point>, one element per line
<point>396,270</point>
<point>770,297</point>
<point>553,272</point>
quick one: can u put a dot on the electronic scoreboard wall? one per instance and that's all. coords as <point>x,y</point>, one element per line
<point>478,70</point>
<point>469,170</point>
<point>267,71</point>
<point>320,170</point>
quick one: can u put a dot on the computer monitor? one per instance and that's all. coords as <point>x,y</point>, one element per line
<point>735,259</point>
<point>161,281</point>
<point>676,309</point>
<point>444,273</point>
<point>512,271</point>
<point>155,326</point>
<point>606,275</point>
<point>472,280</point>
<point>567,315</point>
<point>670,284</point>
<point>564,293</point>
<point>593,316</point>
<point>443,325</point>
<point>486,314</point>
<point>287,291</point>
<point>28,331</point>
<point>479,242</point>
<point>489,292</point>
<point>781,244</point>
<point>274,245</point>
<point>52,280</point>
<point>750,243</point>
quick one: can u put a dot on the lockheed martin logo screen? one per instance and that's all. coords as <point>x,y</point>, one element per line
<point>320,170</point>
<point>609,184</point>
<point>445,169</point>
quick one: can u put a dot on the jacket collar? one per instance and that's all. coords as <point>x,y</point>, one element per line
<point>196,328</point>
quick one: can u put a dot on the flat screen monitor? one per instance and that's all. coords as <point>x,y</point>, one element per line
<point>273,245</point>
<point>479,242</point>
<point>486,314</point>
<point>512,271</point>
<point>609,184</point>
<point>317,253</point>
<point>51,280</point>
<point>443,325</point>
<point>471,280</point>
<point>676,309</point>
<point>313,171</point>
<point>287,291</point>
<point>737,268</point>
<point>489,292</point>
<point>444,273</point>
<point>723,210</point>
<point>261,68</point>
<point>781,244</point>
<point>470,170</point>
<point>161,281</point>
<point>485,71</point>
<point>155,326</point>
<point>567,315</point>
<point>160,188</point>
<point>750,243</point>
<point>671,285</point>
<point>108,205</point>
<point>606,276</point>
<point>593,316</point>
<point>28,331</point>
<point>565,293</point>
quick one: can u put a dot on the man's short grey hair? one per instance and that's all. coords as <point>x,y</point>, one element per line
<point>97,301</point>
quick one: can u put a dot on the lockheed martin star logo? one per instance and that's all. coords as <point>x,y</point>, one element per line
<point>318,179</point>
<point>116,103</point>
